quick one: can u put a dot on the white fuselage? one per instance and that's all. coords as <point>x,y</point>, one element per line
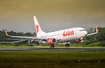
<point>66,34</point>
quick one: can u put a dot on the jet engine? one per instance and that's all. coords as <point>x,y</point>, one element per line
<point>51,41</point>
<point>78,40</point>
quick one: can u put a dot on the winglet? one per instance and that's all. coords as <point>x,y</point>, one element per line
<point>96,29</point>
<point>6,32</point>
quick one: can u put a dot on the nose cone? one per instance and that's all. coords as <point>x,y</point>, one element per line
<point>85,33</point>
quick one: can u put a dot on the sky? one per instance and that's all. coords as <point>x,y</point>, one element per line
<point>52,15</point>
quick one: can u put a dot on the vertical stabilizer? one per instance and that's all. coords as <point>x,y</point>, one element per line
<point>38,29</point>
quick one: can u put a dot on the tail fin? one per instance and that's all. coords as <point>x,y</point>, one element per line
<point>38,29</point>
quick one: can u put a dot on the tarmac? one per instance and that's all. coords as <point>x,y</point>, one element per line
<point>56,49</point>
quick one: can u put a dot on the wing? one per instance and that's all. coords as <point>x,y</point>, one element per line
<point>24,37</point>
<point>94,32</point>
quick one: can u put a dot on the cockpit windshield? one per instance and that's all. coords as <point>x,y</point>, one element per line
<point>82,30</point>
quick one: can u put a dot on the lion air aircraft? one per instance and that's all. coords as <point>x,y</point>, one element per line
<point>52,38</point>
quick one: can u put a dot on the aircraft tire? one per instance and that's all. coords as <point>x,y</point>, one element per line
<point>67,45</point>
<point>52,46</point>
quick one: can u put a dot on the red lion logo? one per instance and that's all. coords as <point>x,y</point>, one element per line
<point>37,28</point>
<point>68,33</point>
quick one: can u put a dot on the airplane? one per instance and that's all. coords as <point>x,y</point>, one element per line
<point>51,38</point>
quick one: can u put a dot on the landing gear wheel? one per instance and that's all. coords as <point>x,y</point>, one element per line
<point>67,45</point>
<point>52,46</point>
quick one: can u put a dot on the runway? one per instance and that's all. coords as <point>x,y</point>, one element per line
<point>56,49</point>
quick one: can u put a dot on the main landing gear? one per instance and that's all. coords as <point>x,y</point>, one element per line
<point>52,46</point>
<point>67,44</point>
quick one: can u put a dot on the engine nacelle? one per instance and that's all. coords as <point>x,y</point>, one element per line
<point>78,40</point>
<point>51,41</point>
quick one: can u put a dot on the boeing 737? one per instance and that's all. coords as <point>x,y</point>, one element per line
<point>52,38</point>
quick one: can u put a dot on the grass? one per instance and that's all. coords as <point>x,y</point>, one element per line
<point>47,46</point>
<point>51,59</point>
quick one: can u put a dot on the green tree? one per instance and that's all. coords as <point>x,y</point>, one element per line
<point>100,37</point>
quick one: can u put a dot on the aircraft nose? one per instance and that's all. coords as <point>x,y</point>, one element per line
<point>85,32</point>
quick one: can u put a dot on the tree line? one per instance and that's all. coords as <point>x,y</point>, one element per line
<point>98,38</point>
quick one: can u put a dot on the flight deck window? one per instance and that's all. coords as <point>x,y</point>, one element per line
<point>81,30</point>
